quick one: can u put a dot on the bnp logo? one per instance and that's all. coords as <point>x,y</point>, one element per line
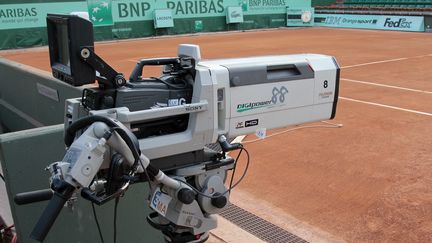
<point>244,4</point>
<point>100,12</point>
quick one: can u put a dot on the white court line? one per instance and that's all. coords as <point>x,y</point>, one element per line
<point>384,61</point>
<point>238,139</point>
<point>369,63</point>
<point>387,86</point>
<point>387,106</point>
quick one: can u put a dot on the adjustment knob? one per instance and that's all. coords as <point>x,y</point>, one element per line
<point>186,196</point>
<point>108,102</point>
<point>219,201</point>
<point>120,80</point>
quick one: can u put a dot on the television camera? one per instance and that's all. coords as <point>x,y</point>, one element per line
<point>157,129</point>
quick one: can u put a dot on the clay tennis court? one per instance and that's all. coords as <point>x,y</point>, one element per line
<point>370,180</point>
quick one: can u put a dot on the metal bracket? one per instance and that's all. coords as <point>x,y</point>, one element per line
<point>108,78</point>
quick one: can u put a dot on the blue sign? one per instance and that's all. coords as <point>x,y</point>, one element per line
<point>379,22</point>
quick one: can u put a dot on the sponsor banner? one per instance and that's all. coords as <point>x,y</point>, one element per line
<point>264,6</point>
<point>300,17</point>
<point>107,12</point>
<point>16,16</point>
<point>380,22</point>
<point>234,15</point>
<point>198,25</point>
<point>163,18</point>
<point>136,10</point>
<point>271,6</point>
<point>100,12</point>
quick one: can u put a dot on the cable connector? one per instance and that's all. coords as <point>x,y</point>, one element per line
<point>107,135</point>
<point>226,147</point>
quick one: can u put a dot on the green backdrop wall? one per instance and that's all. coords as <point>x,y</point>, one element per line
<point>22,22</point>
<point>322,2</point>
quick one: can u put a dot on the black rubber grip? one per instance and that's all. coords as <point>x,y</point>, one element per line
<point>226,147</point>
<point>48,217</point>
<point>186,196</point>
<point>33,196</point>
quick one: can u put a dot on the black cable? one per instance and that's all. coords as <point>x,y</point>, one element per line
<point>147,175</point>
<point>245,170</point>
<point>88,120</point>
<point>115,218</point>
<point>229,189</point>
<point>136,156</point>
<point>2,177</point>
<point>234,169</point>
<point>170,84</point>
<point>130,140</point>
<point>126,135</point>
<point>97,223</point>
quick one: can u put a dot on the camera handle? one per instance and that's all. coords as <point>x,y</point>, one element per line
<point>138,70</point>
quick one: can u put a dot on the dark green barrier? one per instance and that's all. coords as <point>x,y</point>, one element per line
<point>23,38</point>
<point>428,23</point>
<point>322,2</point>
<point>37,1</point>
<point>30,97</point>
<point>23,157</point>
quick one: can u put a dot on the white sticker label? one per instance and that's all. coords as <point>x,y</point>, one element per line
<point>173,102</point>
<point>176,102</point>
<point>72,155</point>
<point>261,133</point>
<point>160,202</point>
<point>47,92</point>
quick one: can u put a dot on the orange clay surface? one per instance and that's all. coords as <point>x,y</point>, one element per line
<point>370,181</point>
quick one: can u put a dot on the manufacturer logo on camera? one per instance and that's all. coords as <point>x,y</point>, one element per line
<point>278,96</point>
<point>251,123</point>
